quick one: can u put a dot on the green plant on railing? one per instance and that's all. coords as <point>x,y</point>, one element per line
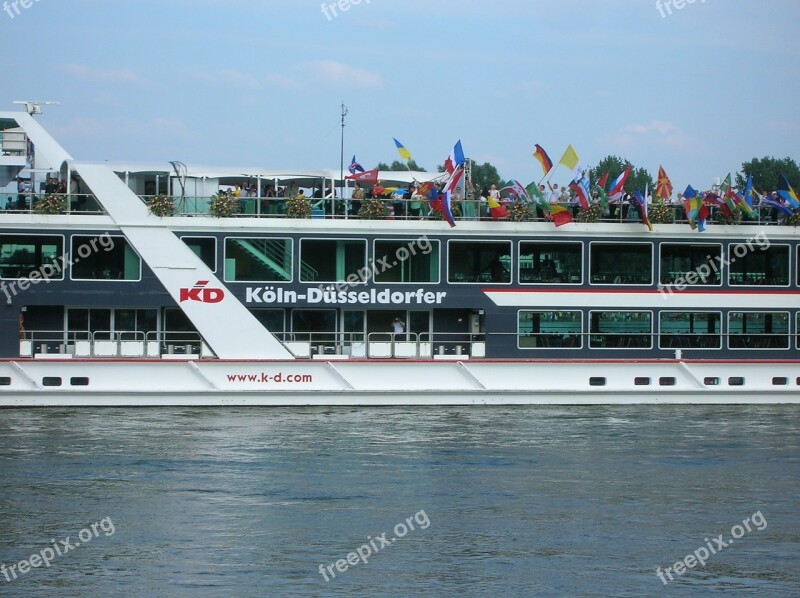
<point>161,205</point>
<point>373,209</point>
<point>521,211</point>
<point>661,213</point>
<point>223,205</point>
<point>593,214</point>
<point>793,220</point>
<point>298,207</point>
<point>52,203</point>
<point>728,217</point>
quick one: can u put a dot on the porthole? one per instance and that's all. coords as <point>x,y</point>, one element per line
<point>779,381</point>
<point>597,381</point>
<point>735,381</point>
<point>711,381</point>
<point>5,380</point>
<point>51,381</point>
<point>642,381</point>
<point>667,381</point>
<point>79,381</point>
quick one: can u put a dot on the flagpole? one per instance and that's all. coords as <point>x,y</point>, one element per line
<point>341,158</point>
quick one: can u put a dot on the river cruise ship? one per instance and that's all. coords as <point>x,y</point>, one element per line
<point>105,303</point>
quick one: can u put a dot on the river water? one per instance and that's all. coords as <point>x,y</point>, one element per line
<point>524,501</point>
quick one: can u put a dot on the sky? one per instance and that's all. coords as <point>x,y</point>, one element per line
<point>698,87</point>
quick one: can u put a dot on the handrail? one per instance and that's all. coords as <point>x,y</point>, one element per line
<point>414,209</point>
<point>74,203</point>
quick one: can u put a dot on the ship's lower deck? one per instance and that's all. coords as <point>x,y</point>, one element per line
<point>331,382</point>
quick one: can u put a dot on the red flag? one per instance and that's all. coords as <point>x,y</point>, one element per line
<point>603,182</point>
<point>664,185</point>
<point>560,215</point>
<point>370,177</point>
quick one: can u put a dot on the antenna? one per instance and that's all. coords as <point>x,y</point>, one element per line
<point>33,107</point>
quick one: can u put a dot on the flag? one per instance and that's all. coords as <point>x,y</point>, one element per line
<point>786,192</point>
<point>748,193</point>
<point>560,215</point>
<point>602,182</point>
<point>582,191</point>
<point>355,166</point>
<point>495,209</point>
<point>617,188</point>
<point>782,208</point>
<point>664,185</point>
<point>641,205</point>
<point>570,158</point>
<point>401,149</point>
<point>368,176</point>
<point>714,200</point>
<point>543,158</point>
<point>514,188</point>
<point>449,189</point>
<point>696,212</point>
<point>728,194</point>
<point>455,159</point>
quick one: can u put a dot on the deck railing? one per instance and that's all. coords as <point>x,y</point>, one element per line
<point>413,209</point>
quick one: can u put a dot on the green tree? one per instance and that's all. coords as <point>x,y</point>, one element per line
<point>398,165</point>
<point>485,175</point>
<point>766,173</point>
<point>615,166</point>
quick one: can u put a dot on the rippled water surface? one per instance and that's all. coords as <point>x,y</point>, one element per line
<point>503,501</point>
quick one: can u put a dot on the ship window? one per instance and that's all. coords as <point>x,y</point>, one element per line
<point>317,326</point>
<point>642,381</point>
<point>103,324</point>
<point>780,381</point>
<point>735,381</point>
<point>51,381</point>
<point>258,260</point>
<point>689,330</point>
<point>711,381</point>
<point>553,263</point>
<point>667,381</point>
<point>758,330</point>
<point>271,319</point>
<point>205,248</point>
<point>479,261</point>
<point>104,257</point>
<point>5,380</point>
<point>79,381</point>
<point>333,260</point>
<point>597,381</point>
<point>413,261</point>
<point>621,263</point>
<point>550,330</point>
<point>759,264</point>
<point>621,330</point>
<point>22,255</point>
<point>684,264</point>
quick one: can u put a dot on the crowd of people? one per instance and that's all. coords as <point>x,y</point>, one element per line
<point>25,197</point>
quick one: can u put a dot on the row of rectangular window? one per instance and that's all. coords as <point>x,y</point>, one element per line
<point>707,381</point>
<point>55,381</point>
<point>271,259</point>
<point>634,330</point>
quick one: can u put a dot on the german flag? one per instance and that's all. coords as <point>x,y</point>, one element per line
<point>543,158</point>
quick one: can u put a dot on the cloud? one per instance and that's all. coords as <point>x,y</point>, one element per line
<point>88,73</point>
<point>657,126</point>
<point>229,78</point>
<point>637,136</point>
<point>332,71</point>
<point>782,126</point>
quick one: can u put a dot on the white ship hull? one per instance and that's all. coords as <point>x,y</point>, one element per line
<point>75,383</point>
